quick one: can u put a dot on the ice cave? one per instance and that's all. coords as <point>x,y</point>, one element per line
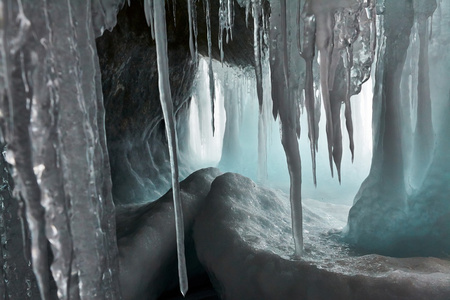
<point>225,149</point>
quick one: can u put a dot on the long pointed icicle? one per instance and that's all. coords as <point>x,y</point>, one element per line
<point>324,36</point>
<point>262,128</point>
<point>308,52</point>
<point>257,51</point>
<point>148,9</point>
<point>222,26</point>
<point>230,19</point>
<point>210,67</point>
<point>286,108</point>
<point>191,29</point>
<point>195,30</point>
<point>167,108</point>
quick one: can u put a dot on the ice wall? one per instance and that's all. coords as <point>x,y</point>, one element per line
<point>53,121</point>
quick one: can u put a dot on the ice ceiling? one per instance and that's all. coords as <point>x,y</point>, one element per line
<point>69,163</point>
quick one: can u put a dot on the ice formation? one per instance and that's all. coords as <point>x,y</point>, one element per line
<point>318,52</point>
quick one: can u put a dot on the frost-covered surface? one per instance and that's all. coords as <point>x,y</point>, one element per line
<point>241,240</point>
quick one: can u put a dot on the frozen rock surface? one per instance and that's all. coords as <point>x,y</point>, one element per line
<point>242,239</point>
<point>146,239</point>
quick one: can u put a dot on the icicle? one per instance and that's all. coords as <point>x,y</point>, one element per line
<point>195,30</point>
<point>346,33</point>
<point>226,19</point>
<point>167,108</point>
<point>286,108</point>
<point>262,127</point>
<point>191,30</point>
<point>256,11</point>
<point>324,36</point>
<point>308,53</point>
<point>247,11</point>
<point>222,26</point>
<point>148,9</point>
<point>230,19</point>
<point>210,67</point>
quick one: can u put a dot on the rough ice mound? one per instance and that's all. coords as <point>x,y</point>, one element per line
<point>242,239</point>
<point>146,239</point>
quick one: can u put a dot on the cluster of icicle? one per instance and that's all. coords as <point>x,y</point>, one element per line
<point>337,29</point>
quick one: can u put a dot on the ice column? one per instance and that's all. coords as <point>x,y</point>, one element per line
<point>210,66</point>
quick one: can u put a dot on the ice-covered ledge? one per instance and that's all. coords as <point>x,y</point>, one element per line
<point>240,238</point>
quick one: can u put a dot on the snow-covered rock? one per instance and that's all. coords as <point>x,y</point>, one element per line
<point>243,239</point>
